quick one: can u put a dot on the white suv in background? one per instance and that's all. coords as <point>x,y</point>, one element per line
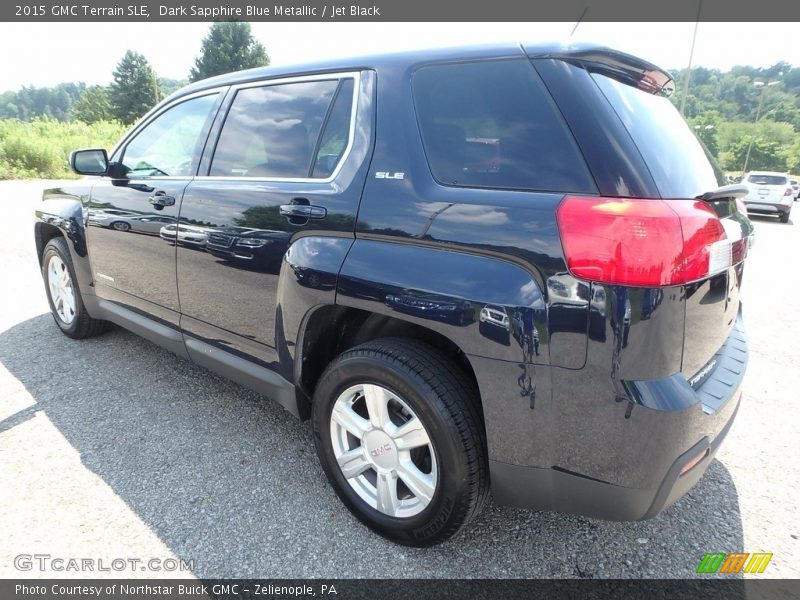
<point>770,193</point>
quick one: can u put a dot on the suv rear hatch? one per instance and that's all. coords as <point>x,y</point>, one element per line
<point>661,161</point>
<point>766,188</point>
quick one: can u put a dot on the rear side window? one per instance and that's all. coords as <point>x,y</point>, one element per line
<point>272,131</point>
<point>767,179</point>
<point>677,161</point>
<point>493,124</point>
<point>335,137</point>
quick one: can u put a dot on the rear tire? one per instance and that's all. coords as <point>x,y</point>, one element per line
<point>404,423</point>
<point>66,303</point>
<point>784,217</point>
<point>121,226</point>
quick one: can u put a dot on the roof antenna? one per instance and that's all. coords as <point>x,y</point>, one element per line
<point>691,56</point>
<point>578,22</point>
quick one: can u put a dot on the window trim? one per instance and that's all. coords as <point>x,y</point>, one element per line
<point>332,76</point>
<point>118,152</point>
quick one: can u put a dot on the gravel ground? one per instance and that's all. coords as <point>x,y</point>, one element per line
<point>112,447</point>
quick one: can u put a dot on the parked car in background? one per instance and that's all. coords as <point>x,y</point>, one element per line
<point>795,187</point>
<point>769,193</point>
<point>252,248</point>
<point>110,218</point>
<point>149,224</point>
<point>186,235</point>
<point>509,268</point>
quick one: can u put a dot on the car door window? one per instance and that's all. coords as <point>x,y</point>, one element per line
<point>168,144</point>
<point>336,135</point>
<point>272,131</point>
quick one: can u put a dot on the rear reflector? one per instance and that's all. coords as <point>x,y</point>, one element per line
<point>637,242</point>
<point>694,462</point>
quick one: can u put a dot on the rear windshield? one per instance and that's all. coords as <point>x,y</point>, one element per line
<point>767,179</point>
<point>678,162</point>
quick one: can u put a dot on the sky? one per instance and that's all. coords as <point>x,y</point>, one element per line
<point>63,52</point>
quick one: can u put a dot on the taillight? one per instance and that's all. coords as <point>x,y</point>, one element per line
<point>788,192</point>
<point>626,241</point>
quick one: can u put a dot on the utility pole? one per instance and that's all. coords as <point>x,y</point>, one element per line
<point>688,75</point>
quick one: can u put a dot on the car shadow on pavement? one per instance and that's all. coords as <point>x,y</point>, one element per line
<point>231,481</point>
<point>769,219</point>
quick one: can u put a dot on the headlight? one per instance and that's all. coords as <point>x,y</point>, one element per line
<point>252,243</point>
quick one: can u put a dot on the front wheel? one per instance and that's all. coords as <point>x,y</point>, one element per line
<point>121,226</point>
<point>399,434</point>
<point>63,294</point>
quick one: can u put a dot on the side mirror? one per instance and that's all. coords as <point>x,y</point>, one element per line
<point>89,162</point>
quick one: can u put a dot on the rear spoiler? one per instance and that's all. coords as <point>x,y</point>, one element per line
<point>737,190</point>
<point>612,63</point>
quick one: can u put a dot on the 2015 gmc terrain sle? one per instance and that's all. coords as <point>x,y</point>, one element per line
<point>508,267</point>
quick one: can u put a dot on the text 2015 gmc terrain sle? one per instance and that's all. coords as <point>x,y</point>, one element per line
<point>508,267</point>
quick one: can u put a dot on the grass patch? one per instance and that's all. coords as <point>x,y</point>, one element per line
<point>40,148</point>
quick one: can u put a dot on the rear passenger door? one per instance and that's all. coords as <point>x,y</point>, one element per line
<point>285,165</point>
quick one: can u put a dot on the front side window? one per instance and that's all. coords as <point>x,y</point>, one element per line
<point>273,131</point>
<point>166,146</point>
<point>492,124</point>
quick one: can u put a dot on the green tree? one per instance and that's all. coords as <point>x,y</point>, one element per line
<point>706,128</point>
<point>765,155</point>
<point>793,157</point>
<point>135,88</point>
<point>94,105</point>
<point>168,86</point>
<point>228,46</point>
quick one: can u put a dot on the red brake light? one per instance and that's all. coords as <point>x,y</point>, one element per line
<point>627,241</point>
<point>788,192</point>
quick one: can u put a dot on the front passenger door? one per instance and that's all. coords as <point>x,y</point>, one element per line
<point>131,217</point>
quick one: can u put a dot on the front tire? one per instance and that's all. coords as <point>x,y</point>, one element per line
<point>121,226</point>
<point>66,303</point>
<point>398,431</point>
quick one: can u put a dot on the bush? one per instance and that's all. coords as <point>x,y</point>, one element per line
<point>40,148</point>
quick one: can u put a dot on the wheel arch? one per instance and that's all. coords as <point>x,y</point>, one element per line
<point>61,214</point>
<point>43,233</point>
<point>329,330</point>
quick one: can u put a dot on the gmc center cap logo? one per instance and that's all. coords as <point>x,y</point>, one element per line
<point>381,449</point>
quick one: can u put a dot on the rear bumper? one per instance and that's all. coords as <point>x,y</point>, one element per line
<point>620,460</point>
<point>768,208</point>
<point>555,489</point>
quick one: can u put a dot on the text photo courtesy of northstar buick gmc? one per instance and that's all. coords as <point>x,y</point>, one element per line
<point>471,269</point>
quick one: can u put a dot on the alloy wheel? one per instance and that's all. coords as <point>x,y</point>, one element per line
<point>61,291</point>
<point>383,450</point>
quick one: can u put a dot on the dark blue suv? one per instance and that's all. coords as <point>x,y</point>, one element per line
<point>511,268</point>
